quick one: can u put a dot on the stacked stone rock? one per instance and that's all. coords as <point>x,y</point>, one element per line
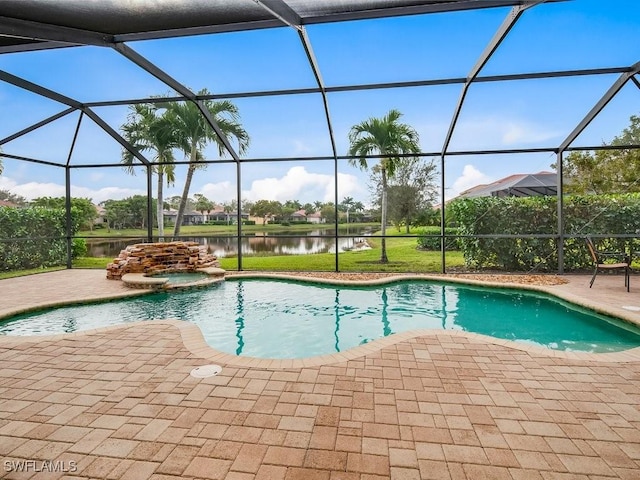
<point>150,258</point>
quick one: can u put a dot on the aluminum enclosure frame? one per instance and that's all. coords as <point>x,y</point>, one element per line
<point>23,29</point>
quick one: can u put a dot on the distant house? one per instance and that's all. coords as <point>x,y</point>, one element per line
<point>7,203</point>
<point>192,217</point>
<point>518,185</point>
<point>315,217</point>
<point>101,216</point>
<point>299,216</point>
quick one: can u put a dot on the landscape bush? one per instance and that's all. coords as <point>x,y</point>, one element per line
<point>429,238</point>
<point>32,238</point>
<point>598,215</point>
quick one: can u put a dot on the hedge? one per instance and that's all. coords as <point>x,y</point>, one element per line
<point>583,215</point>
<point>34,237</point>
<point>429,238</point>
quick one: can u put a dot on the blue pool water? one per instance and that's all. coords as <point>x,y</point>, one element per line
<point>278,319</point>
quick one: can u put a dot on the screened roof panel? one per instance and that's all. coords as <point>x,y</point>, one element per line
<point>84,74</point>
<point>408,48</point>
<point>21,109</point>
<point>613,118</point>
<point>570,35</point>
<point>285,126</point>
<point>427,109</point>
<point>94,145</point>
<point>88,183</point>
<point>50,142</point>
<point>531,114</point>
<point>233,62</point>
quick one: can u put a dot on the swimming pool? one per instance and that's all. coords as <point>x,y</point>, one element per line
<point>288,319</point>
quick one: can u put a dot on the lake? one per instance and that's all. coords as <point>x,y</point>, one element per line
<point>276,243</point>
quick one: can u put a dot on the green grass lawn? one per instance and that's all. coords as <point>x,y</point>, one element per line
<point>401,251</point>
<point>31,271</point>
<point>220,230</point>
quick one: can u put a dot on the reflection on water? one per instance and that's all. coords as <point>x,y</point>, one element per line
<point>316,241</point>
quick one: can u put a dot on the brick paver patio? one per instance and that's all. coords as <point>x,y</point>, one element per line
<point>119,403</point>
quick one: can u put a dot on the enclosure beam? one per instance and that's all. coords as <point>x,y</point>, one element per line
<point>35,126</point>
<point>39,90</point>
<point>560,211</point>
<point>306,43</point>
<point>505,27</point>
<point>370,86</point>
<point>443,255</point>
<point>239,197</point>
<point>503,30</point>
<point>149,204</point>
<point>74,140</point>
<point>67,208</point>
<point>30,30</point>
<point>282,12</point>
<point>430,7</point>
<point>30,160</point>
<point>599,106</point>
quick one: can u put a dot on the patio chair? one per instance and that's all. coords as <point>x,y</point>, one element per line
<point>608,261</point>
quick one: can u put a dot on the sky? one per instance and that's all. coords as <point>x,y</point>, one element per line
<point>577,34</point>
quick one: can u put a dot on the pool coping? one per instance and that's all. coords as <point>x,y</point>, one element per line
<point>193,339</point>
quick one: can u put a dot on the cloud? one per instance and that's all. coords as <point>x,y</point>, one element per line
<point>494,132</point>
<point>31,190</point>
<point>470,177</point>
<point>296,184</point>
<point>299,184</point>
<point>220,192</point>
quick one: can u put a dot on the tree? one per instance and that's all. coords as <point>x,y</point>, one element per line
<point>147,130</point>
<point>388,137</point>
<point>606,171</point>
<point>7,196</point>
<point>83,211</point>
<point>203,204</point>
<point>328,212</point>
<point>346,205</point>
<point>411,190</point>
<point>295,205</point>
<point>194,133</point>
<point>130,212</point>
<point>266,208</point>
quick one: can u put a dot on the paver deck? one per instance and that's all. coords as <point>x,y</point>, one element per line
<point>119,403</point>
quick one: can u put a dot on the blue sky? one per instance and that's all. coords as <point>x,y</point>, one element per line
<point>576,34</point>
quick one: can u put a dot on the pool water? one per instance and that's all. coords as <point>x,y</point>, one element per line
<point>178,278</point>
<point>284,319</point>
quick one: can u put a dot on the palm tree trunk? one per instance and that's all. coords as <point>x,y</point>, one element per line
<point>383,252</point>
<point>159,206</point>
<point>185,192</point>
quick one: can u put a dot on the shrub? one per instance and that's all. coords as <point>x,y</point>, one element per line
<point>429,238</point>
<point>248,222</point>
<point>583,215</point>
<point>32,238</point>
<point>79,248</point>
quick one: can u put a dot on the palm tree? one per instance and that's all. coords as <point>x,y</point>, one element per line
<point>148,131</point>
<point>347,204</point>
<point>194,133</point>
<point>388,137</point>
